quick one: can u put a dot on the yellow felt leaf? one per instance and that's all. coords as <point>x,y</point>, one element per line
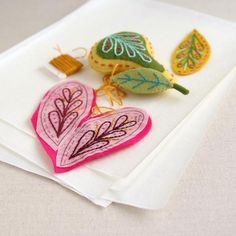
<point>191,54</point>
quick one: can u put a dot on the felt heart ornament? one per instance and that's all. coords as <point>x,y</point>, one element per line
<point>145,81</point>
<point>128,50</point>
<point>100,136</point>
<point>191,54</point>
<point>60,111</point>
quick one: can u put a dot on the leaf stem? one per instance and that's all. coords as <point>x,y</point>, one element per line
<point>181,89</point>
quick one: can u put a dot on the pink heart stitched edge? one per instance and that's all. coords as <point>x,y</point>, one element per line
<point>79,139</point>
<point>100,136</point>
<point>61,110</point>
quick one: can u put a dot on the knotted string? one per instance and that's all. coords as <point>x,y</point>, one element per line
<point>109,88</point>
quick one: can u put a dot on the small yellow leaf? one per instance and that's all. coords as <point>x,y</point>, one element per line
<point>191,54</point>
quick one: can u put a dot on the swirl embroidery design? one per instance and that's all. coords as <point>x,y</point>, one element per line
<point>61,111</point>
<point>69,134</point>
<point>102,135</point>
<point>65,111</point>
<point>93,140</point>
<point>129,44</point>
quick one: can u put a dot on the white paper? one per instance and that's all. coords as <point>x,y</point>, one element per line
<point>28,81</point>
<point>15,159</point>
<point>160,179</point>
<point>150,185</point>
<point>167,111</point>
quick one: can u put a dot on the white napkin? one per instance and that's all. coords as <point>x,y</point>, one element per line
<point>28,81</point>
<point>162,174</point>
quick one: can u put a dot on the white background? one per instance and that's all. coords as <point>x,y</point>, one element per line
<point>203,203</point>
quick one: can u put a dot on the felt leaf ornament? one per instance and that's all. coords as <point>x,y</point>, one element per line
<point>100,136</point>
<point>145,81</point>
<point>61,110</point>
<point>191,54</point>
<point>128,50</point>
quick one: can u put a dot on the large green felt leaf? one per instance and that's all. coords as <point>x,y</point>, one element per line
<point>127,46</point>
<point>142,81</point>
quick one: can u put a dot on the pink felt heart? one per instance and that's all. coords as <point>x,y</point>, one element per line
<point>61,111</point>
<point>69,134</point>
<point>100,136</point>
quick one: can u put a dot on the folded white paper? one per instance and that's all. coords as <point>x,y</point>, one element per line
<point>16,160</point>
<point>162,174</point>
<point>150,185</point>
<point>22,88</point>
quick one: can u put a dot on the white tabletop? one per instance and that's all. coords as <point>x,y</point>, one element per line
<point>204,202</point>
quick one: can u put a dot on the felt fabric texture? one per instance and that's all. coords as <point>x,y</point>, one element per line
<point>61,110</point>
<point>128,46</point>
<point>191,54</point>
<point>120,52</point>
<point>102,135</point>
<point>145,81</point>
<point>72,137</point>
<point>154,12</point>
<point>128,50</point>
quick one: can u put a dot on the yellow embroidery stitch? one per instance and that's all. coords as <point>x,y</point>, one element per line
<point>98,110</point>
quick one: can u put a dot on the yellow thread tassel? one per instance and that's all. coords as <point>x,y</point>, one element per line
<point>111,90</point>
<point>66,64</point>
